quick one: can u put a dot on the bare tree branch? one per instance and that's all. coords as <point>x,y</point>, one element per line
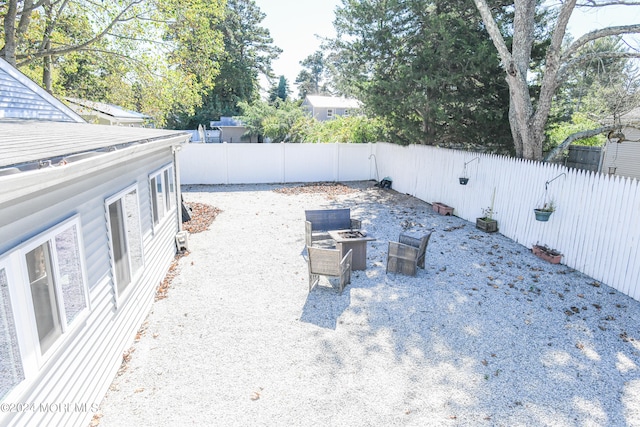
<point>574,137</point>
<point>597,34</point>
<point>121,17</point>
<point>582,59</point>
<point>608,3</point>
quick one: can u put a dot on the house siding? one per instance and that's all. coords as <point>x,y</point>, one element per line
<point>84,366</point>
<point>625,157</point>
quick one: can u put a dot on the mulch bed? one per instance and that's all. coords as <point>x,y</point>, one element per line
<point>328,188</point>
<point>202,215</point>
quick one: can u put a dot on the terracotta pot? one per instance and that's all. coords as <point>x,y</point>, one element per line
<point>547,254</point>
<point>442,209</point>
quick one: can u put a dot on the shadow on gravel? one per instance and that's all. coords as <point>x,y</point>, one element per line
<point>324,306</point>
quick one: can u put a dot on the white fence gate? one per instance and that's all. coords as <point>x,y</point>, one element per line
<point>596,225</point>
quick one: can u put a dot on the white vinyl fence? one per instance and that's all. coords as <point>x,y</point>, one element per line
<point>596,225</point>
<point>244,163</point>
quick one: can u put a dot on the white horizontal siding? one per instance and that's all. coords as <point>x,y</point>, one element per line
<point>83,368</point>
<point>625,156</point>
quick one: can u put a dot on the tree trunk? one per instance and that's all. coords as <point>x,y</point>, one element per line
<point>527,123</point>
<point>46,73</point>
<point>46,47</point>
<point>575,136</point>
<point>8,51</point>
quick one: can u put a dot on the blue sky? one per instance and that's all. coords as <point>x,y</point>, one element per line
<point>295,24</point>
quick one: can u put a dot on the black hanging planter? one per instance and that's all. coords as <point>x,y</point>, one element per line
<point>464,179</point>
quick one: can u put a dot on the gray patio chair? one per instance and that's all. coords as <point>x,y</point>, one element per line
<point>407,254</point>
<point>327,262</point>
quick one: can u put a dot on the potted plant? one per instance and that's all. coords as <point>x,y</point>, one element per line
<point>547,254</point>
<point>543,213</point>
<point>442,209</point>
<point>486,222</point>
<point>464,179</point>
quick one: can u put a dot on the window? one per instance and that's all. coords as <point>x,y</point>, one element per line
<point>346,113</point>
<point>329,113</point>
<point>125,238</point>
<point>11,371</point>
<point>171,188</point>
<point>43,295</point>
<point>163,193</point>
<point>56,282</point>
<point>157,196</point>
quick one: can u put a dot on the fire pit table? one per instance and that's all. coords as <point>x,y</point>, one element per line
<point>356,240</point>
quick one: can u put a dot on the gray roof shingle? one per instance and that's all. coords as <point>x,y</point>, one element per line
<point>24,141</point>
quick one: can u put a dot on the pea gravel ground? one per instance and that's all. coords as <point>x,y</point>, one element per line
<point>486,335</point>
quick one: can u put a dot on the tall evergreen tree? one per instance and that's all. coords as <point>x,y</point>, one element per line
<point>426,67</point>
<point>248,52</point>
<point>310,80</point>
<point>279,91</point>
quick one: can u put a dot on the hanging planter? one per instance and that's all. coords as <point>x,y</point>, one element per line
<point>548,207</point>
<point>464,179</point>
<point>542,215</point>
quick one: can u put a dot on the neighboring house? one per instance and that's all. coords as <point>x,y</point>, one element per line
<point>88,221</point>
<point>228,129</point>
<point>621,156</point>
<point>329,107</point>
<point>106,114</point>
<point>21,98</point>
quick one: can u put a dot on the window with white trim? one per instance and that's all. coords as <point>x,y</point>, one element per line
<point>11,370</point>
<point>329,113</point>
<point>163,193</point>
<point>125,239</point>
<point>56,282</point>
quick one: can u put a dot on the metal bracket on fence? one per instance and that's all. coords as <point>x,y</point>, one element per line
<point>375,160</point>
<point>464,169</point>
<point>466,163</point>
<point>546,184</point>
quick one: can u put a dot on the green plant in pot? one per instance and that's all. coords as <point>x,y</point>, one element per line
<point>544,212</point>
<point>486,222</point>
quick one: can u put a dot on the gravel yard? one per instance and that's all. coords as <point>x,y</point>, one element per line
<point>486,335</point>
